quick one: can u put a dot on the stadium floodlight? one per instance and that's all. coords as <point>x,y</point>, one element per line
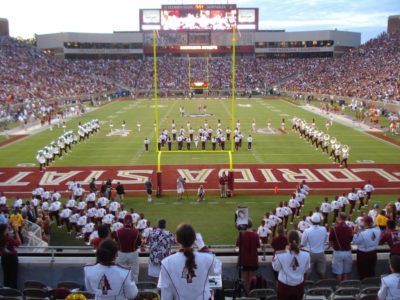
<point>205,86</point>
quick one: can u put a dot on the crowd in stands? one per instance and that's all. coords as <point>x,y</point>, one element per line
<point>369,72</point>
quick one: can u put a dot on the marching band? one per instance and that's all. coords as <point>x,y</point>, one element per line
<point>339,153</point>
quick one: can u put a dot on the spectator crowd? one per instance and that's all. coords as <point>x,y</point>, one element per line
<point>369,72</point>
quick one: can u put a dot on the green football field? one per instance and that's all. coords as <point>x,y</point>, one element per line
<point>102,150</point>
<point>214,218</point>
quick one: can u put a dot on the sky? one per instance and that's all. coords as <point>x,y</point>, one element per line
<point>29,17</point>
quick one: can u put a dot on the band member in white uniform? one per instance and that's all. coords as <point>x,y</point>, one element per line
<point>390,284</point>
<point>106,279</point>
<point>291,264</point>
<point>184,275</point>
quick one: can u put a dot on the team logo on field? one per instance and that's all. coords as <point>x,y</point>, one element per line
<point>198,115</point>
<point>267,131</point>
<point>119,132</point>
<point>245,105</point>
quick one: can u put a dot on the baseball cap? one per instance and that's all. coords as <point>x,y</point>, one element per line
<point>367,220</point>
<point>315,218</point>
<point>128,219</point>
<point>376,205</point>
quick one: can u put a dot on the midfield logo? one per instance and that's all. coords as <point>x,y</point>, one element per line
<point>119,132</point>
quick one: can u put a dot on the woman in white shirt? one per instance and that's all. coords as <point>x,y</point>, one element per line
<point>184,275</point>
<point>291,264</point>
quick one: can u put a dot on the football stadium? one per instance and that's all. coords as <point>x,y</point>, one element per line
<point>200,157</point>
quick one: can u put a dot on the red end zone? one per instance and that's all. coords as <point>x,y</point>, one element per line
<point>249,178</point>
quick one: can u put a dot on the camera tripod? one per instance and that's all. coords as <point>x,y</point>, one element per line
<point>238,286</point>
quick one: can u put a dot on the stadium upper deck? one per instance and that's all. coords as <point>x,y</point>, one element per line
<point>199,30</point>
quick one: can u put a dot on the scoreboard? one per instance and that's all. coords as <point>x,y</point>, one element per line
<point>199,17</point>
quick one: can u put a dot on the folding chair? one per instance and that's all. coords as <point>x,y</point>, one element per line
<point>349,283</point>
<point>262,293</point>
<point>331,283</point>
<point>146,285</point>
<point>71,285</point>
<point>9,292</point>
<point>35,293</point>
<point>318,293</point>
<point>147,295</point>
<point>347,291</point>
<point>35,284</point>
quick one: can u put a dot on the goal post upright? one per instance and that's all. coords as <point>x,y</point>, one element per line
<point>155,85</point>
<point>233,85</point>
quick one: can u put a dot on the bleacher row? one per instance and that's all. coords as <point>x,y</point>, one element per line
<point>325,289</point>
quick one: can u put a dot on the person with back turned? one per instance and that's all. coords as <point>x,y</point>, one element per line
<point>291,265</point>
<point>184,275</point>
<point>248,243</point>
<point>128,239</point>
<point>106,279</point>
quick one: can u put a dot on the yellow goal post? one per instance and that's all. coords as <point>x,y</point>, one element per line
<point>156,114</point>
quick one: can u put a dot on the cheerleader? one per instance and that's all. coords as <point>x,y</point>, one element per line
<point>291,264</point>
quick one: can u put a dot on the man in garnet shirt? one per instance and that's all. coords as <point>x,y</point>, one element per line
<point>391,236</point>
<point>340,238</point>
<point>248,243</point>
<point>129,240</point>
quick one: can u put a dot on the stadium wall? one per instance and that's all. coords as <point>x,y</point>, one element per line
<point>248,42</point>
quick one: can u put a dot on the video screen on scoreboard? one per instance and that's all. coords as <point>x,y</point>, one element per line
<point>176,19</point>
